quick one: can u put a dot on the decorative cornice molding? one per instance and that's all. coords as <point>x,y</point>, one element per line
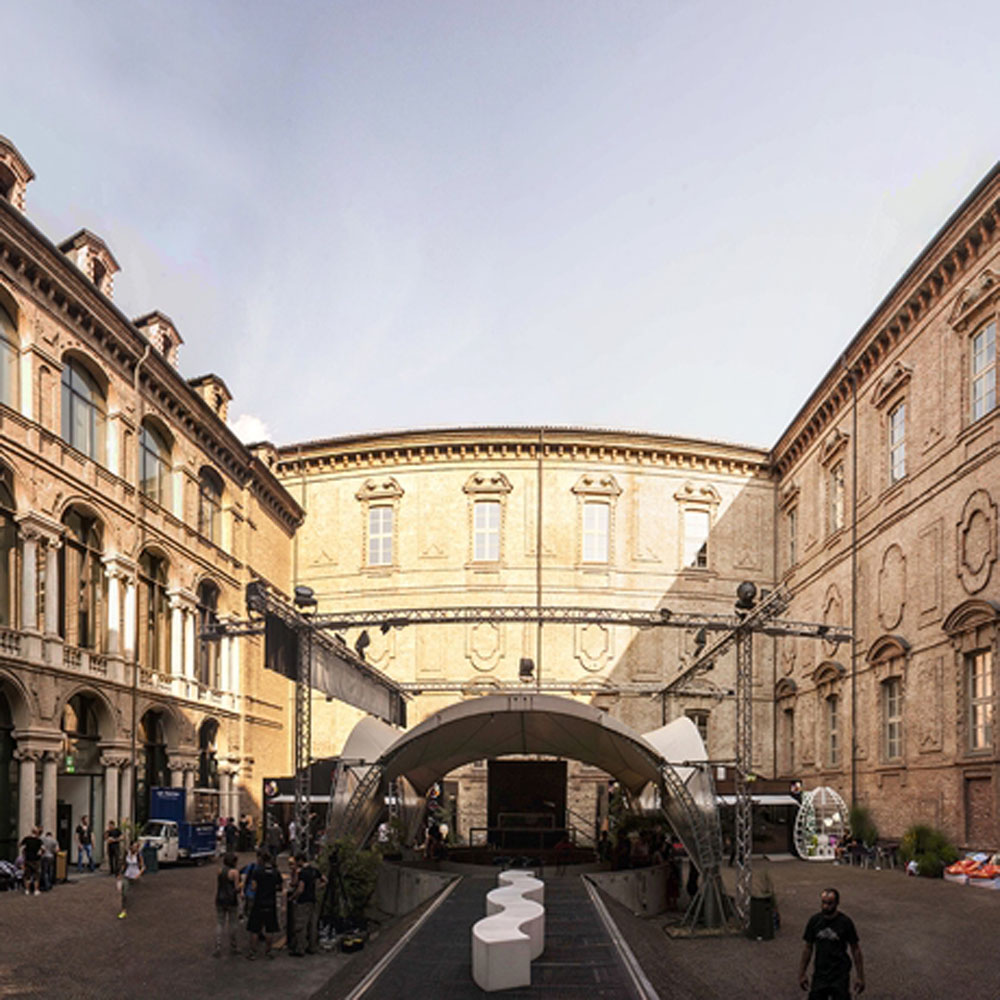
<point>379,489</point>
<point>597,484</point>
<point>704,493</point>
<point>982,289</point>
<point>487,483</point>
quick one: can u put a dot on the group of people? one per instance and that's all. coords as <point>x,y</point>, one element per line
<point>256,892</point>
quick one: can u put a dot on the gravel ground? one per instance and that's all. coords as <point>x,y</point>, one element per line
<point>922,939</point>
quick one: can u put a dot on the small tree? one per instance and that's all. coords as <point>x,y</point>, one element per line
<point>358,875</point>
<point>863,826</point>
<point>930,849</point>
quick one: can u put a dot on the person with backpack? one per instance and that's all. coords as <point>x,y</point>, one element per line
<point>226,903</point>
<point>265,882</point>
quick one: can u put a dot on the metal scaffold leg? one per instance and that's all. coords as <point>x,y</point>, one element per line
<point>744,766</point>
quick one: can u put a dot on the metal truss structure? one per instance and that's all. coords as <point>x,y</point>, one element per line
<point>738,630</point>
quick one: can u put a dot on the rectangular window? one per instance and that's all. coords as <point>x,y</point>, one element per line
<point>696,538</point>
<point>380,536</point>
<point>596,518</point>
<point>788,719</point>
<point>837,497</point>
<point>892,715</point>
<point>793,536</point>
<point>897,443</point>
<point>984,371</point>
<point>833,730</point>
<point>979,674</point>
<point>486,531</point>
<point>700,718</point>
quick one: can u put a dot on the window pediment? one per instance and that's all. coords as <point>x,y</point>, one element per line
<point>785,688</point>
<point>789,495</point>
<point>981,291</point>
<point>888,647</point>
<point>487,484</point>
<point>893,380</point>
<point>833,446</point>
<point>597,484</point>
<point>969,615</point>
<point>828,672</point>
<point>704,493</point>
<point>380,489</point>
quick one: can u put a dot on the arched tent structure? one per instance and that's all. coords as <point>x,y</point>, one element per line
<point>499,725</point>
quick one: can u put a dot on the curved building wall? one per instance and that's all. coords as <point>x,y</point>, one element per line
<point>451,518</point>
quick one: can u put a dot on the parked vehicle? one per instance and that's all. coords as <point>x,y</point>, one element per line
<point>174,838</point>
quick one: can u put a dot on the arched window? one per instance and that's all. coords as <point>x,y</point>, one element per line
<point>208,650</point>
<point>151,763</point>
<point>8,548</point>
<point>81,736</point>
<point>208,764</point>
<point>9,350</point>
<point>81,581</point>
<point>84,410</point>
<point>209,505</point>
<point>154,464</point>
<point>154,614</point>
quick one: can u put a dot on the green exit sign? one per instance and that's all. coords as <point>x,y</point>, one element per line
<point>70,766</point>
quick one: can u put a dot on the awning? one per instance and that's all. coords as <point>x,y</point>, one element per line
<point>760,800</point>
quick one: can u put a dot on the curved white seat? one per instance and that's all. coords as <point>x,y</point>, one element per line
<point>512,934</point>
<point>534,888</point>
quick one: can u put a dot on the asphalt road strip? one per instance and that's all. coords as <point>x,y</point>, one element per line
<point>643,986</point>
<point>366,984</point>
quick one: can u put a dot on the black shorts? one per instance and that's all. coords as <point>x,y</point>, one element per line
<point>31,870</point>
<point>839,991</point>
<point>263,919</point>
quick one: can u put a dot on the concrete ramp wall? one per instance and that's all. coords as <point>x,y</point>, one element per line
<point>642,890</point>
<point>400,889</point>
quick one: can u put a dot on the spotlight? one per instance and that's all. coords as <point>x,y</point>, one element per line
<point>746,594</point>
<point>304,597</point>
<point>526,668</point>
<point>384,627</point>
<point>700,638</point>
<point>362,642</point>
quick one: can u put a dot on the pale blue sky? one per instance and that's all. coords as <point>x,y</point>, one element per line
<point>665,216</point>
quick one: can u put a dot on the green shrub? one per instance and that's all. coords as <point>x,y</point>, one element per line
<point>929,848</point>
<point>358,875</point>
<point>863,826</point>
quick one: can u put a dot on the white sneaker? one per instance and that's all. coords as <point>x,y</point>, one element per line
<point>37,893</point>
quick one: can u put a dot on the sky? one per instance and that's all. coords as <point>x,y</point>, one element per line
<point>364,216</point>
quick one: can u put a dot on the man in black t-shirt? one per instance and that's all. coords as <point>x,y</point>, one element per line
<point>84,844</point>
<point>32,847</point>
<point>831,933</point>
<point>113,846</point>
<point>306,936</point>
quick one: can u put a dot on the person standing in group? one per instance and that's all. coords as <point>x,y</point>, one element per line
<point>226,900</point>
<point>265,882</point>
<point>831,933</point>
<point>50,848</point>
<point>31,845</point>
<point>306,910</point>
<point>132,871</point>
<point>113,847</point>
<point>84,844</point>
<point>231,834</point>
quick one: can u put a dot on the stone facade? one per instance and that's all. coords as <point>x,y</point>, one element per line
<point>888,481</point>
<point>131,515</point>
<point>439,519</point>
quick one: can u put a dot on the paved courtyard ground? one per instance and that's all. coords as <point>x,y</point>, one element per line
<point>922,939</point>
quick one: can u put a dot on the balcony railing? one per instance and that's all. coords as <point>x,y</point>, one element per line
<point>10,642</point>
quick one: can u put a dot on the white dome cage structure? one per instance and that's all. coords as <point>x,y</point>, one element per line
<point>820,825</point>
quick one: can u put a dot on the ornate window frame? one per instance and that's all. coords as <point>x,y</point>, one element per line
<point>892,396</point>
<point>833,460</point>
<point>972,627</point>
<point>600,489</point>
<point>788,502</point>
<point>889,660</point>
<point>493,487</point>
<point>786,701</point>
<point>703,498</point>
<point>379,493</point>
<point>828,678</point>
<point>975,308</point>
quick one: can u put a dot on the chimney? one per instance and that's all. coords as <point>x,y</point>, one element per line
<point>160,331</point>
<point>215,392</point>
<point>91,255</point>
<point>15,174</point>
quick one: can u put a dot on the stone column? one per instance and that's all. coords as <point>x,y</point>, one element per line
<point>234,792</point>
<point>50,762</point>
<point>176,775</point>
<point>28,760</point>
<point>125,791</point>
<point>112,764</point>
<point>128,641</point>
<point>52,587</point>
<point>189,646</point>
<point>234,666</point>
<point>225,785</point>
<point>114,611</point>
<point>176,638</point>
<point>29,579</point>
<point>224,680</point>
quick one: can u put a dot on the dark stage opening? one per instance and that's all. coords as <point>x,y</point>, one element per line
<point>526,804</point>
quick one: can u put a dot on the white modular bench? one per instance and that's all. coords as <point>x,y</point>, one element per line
<point>512,934</point>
